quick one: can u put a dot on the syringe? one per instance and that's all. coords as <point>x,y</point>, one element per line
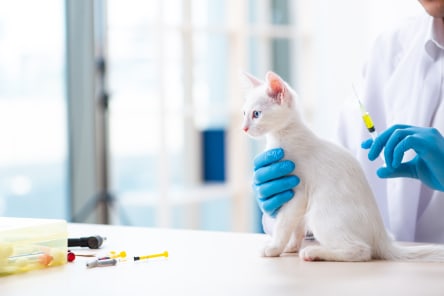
<point>366,117</point>
<point>367,121</point>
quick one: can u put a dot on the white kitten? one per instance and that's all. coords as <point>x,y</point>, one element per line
<point>333,199</point>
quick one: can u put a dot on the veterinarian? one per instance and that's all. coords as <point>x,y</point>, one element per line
<point>403,91</point>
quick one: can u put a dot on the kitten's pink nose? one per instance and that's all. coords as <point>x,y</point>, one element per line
<point>245,128</point>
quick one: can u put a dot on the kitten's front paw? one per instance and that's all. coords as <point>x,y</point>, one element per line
<point>272,251</point>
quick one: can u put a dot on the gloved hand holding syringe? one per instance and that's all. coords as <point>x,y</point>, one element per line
<point>426,142</point>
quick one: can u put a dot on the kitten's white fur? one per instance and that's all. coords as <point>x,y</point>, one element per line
<point>333,199</point>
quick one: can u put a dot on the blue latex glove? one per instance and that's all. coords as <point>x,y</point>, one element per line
<point>272,183</point>
<point>428,164</point>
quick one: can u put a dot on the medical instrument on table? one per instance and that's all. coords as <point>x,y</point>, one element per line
<point>40,258</point>
<point>366,117</point>
<point>121,254</point>
<point>164,254</point>
<point>92,242</point>
<point>101,263</point>
<point>114,255</point>
<point>71,256</point>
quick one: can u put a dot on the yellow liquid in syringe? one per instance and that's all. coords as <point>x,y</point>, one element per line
<point>369,124</point>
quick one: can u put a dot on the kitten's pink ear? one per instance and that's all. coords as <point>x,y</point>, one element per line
<point>253,81</point>
<point>276,86</point>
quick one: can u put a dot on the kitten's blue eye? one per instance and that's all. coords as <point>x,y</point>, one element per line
<point>256,114</point>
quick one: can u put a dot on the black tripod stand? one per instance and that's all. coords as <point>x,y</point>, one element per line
<point>103,200</point>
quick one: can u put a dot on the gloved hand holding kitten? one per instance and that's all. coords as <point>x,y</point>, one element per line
<point>274,184</point>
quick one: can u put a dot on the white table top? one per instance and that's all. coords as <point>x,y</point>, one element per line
<point>216,263</point>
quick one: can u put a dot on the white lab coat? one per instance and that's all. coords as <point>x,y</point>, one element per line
<point>402,83</point>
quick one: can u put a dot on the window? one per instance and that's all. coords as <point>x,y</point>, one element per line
<point>159,79</point>
<point>33,166</point>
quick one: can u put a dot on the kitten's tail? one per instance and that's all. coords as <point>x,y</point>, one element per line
<point>424,253</point>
